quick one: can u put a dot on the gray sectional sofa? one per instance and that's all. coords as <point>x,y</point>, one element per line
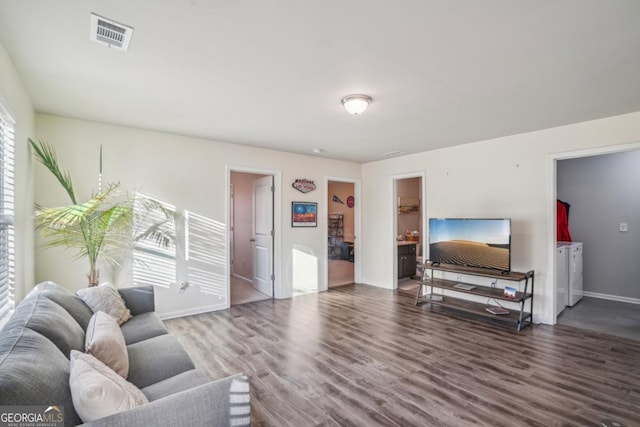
<point>50,322</point>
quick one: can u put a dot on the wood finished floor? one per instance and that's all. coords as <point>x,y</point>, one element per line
<point>242,291</point>
<point>362,356</point>
<point>341,272</point>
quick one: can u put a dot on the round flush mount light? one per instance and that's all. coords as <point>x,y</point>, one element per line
<point>356,104</point>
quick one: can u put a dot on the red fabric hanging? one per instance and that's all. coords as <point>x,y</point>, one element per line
<point>562,222</point>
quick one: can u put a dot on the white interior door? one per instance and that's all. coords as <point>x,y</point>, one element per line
<point>262,235</point>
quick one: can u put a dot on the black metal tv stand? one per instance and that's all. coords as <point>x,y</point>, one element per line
<point>448,289</point>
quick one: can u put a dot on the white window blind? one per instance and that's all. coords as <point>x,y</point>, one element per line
<point>7,212</point>
<point>153,263</point>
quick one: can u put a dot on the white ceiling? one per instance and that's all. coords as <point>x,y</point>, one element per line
<point>271,73</point>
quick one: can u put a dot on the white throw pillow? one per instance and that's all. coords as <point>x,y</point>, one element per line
<point>97,391</point>
<point>106,298</point>
<point>105,341</point>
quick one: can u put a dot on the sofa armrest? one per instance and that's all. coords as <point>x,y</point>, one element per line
<point>219,403</point>
<point>139,299</point>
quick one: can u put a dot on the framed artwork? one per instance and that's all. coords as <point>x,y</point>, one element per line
<point>304,214</point>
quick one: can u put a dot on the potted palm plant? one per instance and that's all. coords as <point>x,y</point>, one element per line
<point>101,228</point>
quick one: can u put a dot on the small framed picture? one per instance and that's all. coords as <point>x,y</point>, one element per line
<point>509,292</point>
<point>304,214</point>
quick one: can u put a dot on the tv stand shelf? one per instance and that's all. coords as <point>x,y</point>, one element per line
<point>523,297</point>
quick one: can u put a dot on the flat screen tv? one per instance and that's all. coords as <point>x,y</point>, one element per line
<point>481,242</point>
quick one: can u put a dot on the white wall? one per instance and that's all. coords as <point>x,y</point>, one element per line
<point>188,172</point>
<point>14,97</point>
<point>504,177</point>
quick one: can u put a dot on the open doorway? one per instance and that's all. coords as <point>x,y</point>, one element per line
<point>341,233</point>
<point>409,230</point>
<point>251,237</point>
<point>596,211</point>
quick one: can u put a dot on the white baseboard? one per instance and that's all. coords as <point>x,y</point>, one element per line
<point>611,297</point>
<point>191,311</point>
<point>376,284</point>
<point>242,278</point>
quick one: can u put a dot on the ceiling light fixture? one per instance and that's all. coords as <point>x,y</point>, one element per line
<point>356,104</point>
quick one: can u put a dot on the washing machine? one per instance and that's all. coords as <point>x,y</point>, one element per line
<point>562,278</point>
<point>575,271</point>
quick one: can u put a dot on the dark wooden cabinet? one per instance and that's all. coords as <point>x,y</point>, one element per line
<point>406,260</point>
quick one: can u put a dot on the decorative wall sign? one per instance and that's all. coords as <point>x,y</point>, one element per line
<point>351,201</point>
<point>337,199</point>
<point>304,214</point>
<point>303,185</point>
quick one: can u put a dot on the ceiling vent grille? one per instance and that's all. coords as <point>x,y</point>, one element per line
<point>394,153</point>
<point>109,32</point>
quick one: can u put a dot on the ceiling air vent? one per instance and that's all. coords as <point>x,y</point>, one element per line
<point>394,153</point>
<point>109,32</point>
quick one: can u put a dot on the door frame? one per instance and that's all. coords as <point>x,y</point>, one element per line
<point>277,225</point>
<point>552,195</point>
<point>357,227</point>
<point>394,217</point>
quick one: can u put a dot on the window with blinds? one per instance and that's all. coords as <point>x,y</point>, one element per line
<point>153,262</point>
<point>7,209</point>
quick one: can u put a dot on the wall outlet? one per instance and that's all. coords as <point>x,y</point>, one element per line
<point>623,227</point>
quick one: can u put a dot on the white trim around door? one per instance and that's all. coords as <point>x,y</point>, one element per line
<point>277,225</point>
<point>357,229</point>
<point>394,218</point>
<point>549,316</point>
